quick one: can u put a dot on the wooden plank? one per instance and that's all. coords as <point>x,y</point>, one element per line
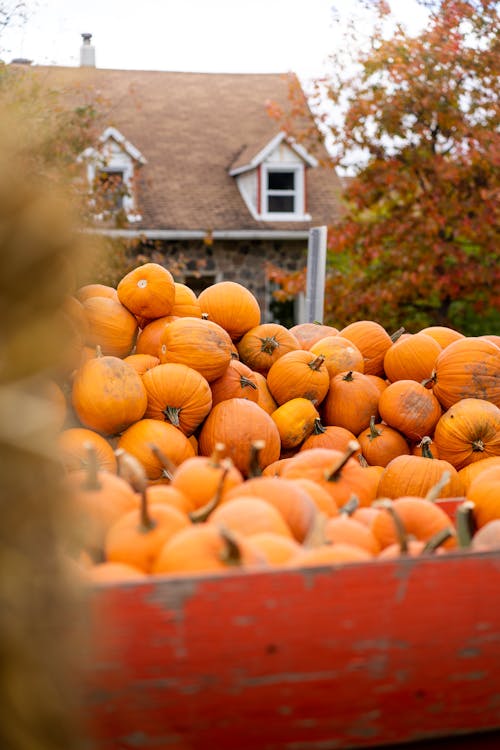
<point>357,656</point>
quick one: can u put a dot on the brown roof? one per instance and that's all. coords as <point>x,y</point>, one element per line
<point>192,128</point>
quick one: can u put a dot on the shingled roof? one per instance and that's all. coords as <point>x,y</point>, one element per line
<point>192,128</point>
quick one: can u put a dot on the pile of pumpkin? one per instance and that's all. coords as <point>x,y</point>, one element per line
<point>196,438</point>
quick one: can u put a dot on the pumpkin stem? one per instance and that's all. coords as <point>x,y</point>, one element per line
<point>231,554</point>
<point>204,316</point>
<point>133,472</point>
<point>430,381</point>
<point>92,474</point>
<point>437,539</point>
<point>316,363</point>
<point>401,533</point>
<point>348,376</point>
<point>98,351</point>
<point>269,344</point>
<point>465,523</point>
<point>374,433</point>
<point>350,506</point>
<point>316,536</point>
<point>217,455</point>
<point>167,464</point>
<point>435,491</point>
<point>333,474</point>
<point>254,468</point>
<point>477,445</point>
<point>201,514</point>
<point>362,460</point>
<point>318,428</point>
<point>171,414</point>
<point>425,445</point>
<point>395,336</point>
<point>246,382</point>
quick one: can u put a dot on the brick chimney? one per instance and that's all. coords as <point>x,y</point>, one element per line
<point>87,52</point>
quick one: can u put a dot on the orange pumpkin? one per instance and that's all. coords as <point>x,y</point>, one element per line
<point>415,475</point>
<point>380,443</point>
<point>419,517</point>
<point>372,341</point>
<point>484,492</point>
<point>141,362</point>
<point>238,381</point>
<point>237,423</point>
<point>177,394</point>
<point>149,337</point>
<point>96,290</point>
<point>108,395</point>
<point>276,548</point>
<point>73,449</point>
<point>468,431</point>
<point>444,335</point>
<point>328,436</point>
<point>110,325</point>
<point>308,333</point>
<point>250,514</point>
<point>298,374</point>
<point>340,354</point>
<point>263,344</point>
<point>467,368</point>
<point>411,358</point>
<point>264,397</point>
<point>295,421</point>
<point>200,478</point>
<point>201,344</point>
<point>351,400</point>
<point>471,471</point>
<point>410,408</point>
<point>147,291</point>
<point>232,306</point>
<point>186,303</point>
<point>143,436</point>
<point>343,529</point>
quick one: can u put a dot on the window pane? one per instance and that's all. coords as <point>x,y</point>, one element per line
<point>111,188</point>
<point>281,180</point>
<point>281,204</point>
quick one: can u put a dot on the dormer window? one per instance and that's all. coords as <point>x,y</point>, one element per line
<point>111,173</point>
<point>273,181</point>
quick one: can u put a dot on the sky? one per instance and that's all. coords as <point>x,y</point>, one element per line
<point>234,36</point>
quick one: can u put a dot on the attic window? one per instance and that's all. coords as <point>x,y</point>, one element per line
<point>110,185</point>
<point>282,189</point>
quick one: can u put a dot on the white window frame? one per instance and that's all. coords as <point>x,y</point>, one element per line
<point>298,192</point>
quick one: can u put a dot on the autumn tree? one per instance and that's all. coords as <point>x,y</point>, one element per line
<point>414,122</point>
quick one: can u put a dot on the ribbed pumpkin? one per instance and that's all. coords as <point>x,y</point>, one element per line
<point>142,362</point>
<point>238,381</point>
<point>416,476</point>
<point>262,345</point>
<point>177,394</point>
<point>340,354</point>
<point>295,421</point>
<point>141,437</point>
<point>372,340</point>
<point>420,518</point>
<point>380,443</point>
<point>484,492</point>
<point>468,431</point>
<point>232,306</point>
<point>264,396</point>
<point>201,478</point>
<point>471,471</point>
<point>201,344</point>
<point>467,368</point>
<point>237,423</point>
<point>442,334</point>
<point>351,400</point>
<point>108,395</point>
<point>308,333</point>
<point>411,358</point>
<point>147,291</point>
<point>186,302</point>
<point>298,374</point>
<point>96,290</point>
<point>110,325</point>
<point>410,408</point>
<point>73,445</point>
<point>328,436</point>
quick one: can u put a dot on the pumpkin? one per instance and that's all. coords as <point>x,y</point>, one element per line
<point>418,517</point>
<point>380,443</point>
<point>96,290</point>
<point>263,344</point>
<point>147,291</point>
<point>177,394</point>
<point>250,514</point>
<point>470,471</point>
<point>149,337</point>
<point>343,529</point>
<point>425,448</point>
<point>237,423</point>
<point>294,420</point>
<point>113,572</point>
<point>330,554</point>
<point>411,358</point>
<point>340,354</point>
<point>372,340</point>
<point>410,408</point>
<point>351,400</point>
<point>487,537</point>
<point>328,436</point>
<point>207,548</point>
<point>298,374</point>
<point>110,325</point>
<point>484,492</point>
<point>232,306</point>
<point>141,362</point>
<point>201,344</point>
<point>108,395</point>
<point>238,381</point>
<point>467,368</point>
<point>416,476</point>
<point>308,333</point>
<point>444,335</point>
<point>199,478</point>
<point>468,431</point>
<point>186,303</point>
<point>141,438</point>
<point>73,446</point>
<point>321,498</point>
<point>166,494</point>
<point>276,548</point>
<point>264,397</point>
<point>289,499</point>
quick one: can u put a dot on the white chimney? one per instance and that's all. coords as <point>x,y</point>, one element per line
<point>87,52</point>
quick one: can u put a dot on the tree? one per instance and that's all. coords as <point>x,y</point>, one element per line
<point>416,124</point>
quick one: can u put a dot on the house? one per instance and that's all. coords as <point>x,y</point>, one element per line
<point>204,177</point>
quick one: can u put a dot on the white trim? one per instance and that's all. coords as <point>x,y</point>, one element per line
<point>269,148</point>
<point>298,193</point>
<point>222,234</point>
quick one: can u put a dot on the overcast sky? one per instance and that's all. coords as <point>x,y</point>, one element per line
<point>236,36</point>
